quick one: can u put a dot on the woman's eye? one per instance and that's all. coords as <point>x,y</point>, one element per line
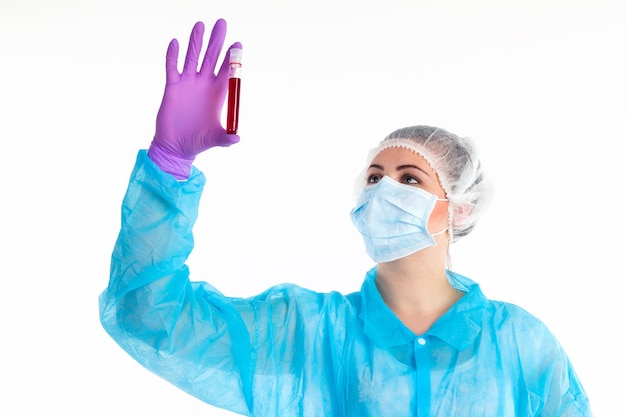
<point>373,179</point>
<point>408,179</point>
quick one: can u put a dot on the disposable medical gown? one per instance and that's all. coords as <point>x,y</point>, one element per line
<point>295,352</point>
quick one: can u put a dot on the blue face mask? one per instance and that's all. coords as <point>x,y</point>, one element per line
<point>393,218</point>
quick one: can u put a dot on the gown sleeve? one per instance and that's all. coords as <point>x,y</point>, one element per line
<point>552,383</point>
<point>187,333</point>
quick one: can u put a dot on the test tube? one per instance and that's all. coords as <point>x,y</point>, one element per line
<point>234,86</point>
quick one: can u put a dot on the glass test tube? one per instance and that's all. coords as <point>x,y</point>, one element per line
<point>234,86</point>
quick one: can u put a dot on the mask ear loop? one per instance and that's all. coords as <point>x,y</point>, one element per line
<point>439,233</point>
<point>450,236</point>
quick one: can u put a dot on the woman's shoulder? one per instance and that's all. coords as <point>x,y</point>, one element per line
<point>297,292</point>
<point>517,327</point>
<point>289,296</point>
<point>502,314</point>
<point>510,315</point>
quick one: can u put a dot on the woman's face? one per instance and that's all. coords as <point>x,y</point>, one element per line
<point>410,168</point>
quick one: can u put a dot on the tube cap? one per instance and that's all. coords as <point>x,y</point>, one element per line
<point>235,55</point>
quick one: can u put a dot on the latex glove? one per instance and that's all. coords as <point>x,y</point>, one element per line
<point>188,121</point>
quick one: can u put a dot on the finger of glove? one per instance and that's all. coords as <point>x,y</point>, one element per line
<point>171,62</point>
<point>193,50</point>
<point>213,50</point>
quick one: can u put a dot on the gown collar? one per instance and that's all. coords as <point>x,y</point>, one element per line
<point>458,327</point>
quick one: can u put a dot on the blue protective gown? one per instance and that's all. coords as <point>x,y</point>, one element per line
<point>295,352</point>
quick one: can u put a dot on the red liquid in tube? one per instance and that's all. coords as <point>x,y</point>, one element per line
<point>234,88</point>
<point>232,116</point>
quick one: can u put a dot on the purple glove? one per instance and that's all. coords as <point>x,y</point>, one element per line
<point>188,121</point>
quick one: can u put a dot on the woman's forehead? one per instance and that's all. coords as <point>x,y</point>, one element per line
<point>395,156</point>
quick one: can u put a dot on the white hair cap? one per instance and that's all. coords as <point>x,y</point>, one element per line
<point>455,160</point>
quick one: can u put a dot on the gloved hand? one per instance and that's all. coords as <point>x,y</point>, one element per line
<point>188,121</point>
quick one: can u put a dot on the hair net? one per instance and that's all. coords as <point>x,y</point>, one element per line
<point>455,160</point>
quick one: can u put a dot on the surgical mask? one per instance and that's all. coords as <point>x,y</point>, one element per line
<point>393,218</point>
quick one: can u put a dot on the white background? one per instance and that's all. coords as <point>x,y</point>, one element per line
<point>539,85</point>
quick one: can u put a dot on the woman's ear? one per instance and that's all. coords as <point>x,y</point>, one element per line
<point>460,212</point>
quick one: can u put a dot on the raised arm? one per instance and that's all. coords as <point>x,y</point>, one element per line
<point>187,333</point>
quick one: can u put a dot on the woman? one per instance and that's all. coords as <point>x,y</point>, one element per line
<point>416,340</point>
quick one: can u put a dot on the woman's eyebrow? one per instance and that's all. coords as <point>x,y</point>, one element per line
<point>401,167</point>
